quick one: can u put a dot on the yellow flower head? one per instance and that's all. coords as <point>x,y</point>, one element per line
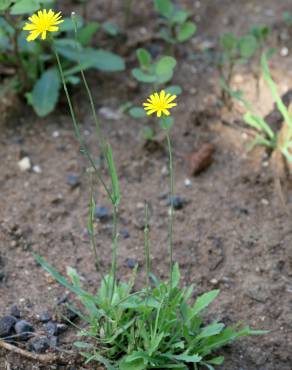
<point>159,103</point>
<point>41,23</point>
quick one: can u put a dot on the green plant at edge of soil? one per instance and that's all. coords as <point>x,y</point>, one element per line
<point>177,26</point>
<point>36,73</point>
<point>156,74</point>
<point>276,141</point>
<point>239,50</point>
<point>156,327</point>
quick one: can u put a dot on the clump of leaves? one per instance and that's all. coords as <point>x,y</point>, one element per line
<point>155,73</point>
<point>177,26</point>
<point>157,327</point>
<point>34,66</point>
<point>278,142</point>
<point>239,50</point>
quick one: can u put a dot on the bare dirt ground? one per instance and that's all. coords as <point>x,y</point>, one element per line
<point>232,233</point>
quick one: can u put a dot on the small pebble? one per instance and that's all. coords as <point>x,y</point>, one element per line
<point>39,344</point>
<point>188,183</point>
<point>176,201</point>
<point>51,328</point>
<point>125,233</point>
<point>45,316</point>
<point>24,164</point>
<point>73,181</point>
<point>131,263</point>
<point>284,52</point>
<point>56,134</point>
<point>7,326</point>
<point>36,169</point>
<point>102,213</point>
<point>214,281</point>
<point>54,341</point>
<point>24,329</point>
<point>265,202</point>
<point>15,311</point>
<point>109,114</point>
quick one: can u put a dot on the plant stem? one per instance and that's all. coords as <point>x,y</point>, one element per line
<point>115,235</point>
<point>83,147</point>
<point>146,246</point>
<point>171,193</point>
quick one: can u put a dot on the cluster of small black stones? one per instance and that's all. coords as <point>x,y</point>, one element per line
<point>39,337</point>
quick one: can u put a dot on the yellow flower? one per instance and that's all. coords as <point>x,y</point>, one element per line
<point>160,103</point>
<point>41,23</point>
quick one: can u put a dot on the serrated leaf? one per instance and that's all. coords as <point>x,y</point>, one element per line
<point>45,93</point>
<point>186,31</point>
<point>212,329</point>
<point>216,360</point>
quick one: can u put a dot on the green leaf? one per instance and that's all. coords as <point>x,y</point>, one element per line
<point>137,112</point>
<point>216,360</point>
<point>165,65</point>
<point>204,300</point>
<point>68,24</point>
<point>186,31</point>
<point>179,17</point>
<point>45,93</point>
<point>175,275</point>
<point>25,7</point>
<point>144,58</point>
<point>82,345</point>
<point>137,364</point>
<point>99,59</point>
<point>164,69</point>
<point>173,90</point>
<point>4,4</point>
<point>259,123</point>
<point>247,46</point>
<point>142,76</point>
<point>228,41</point>
<point>164,7</point>
<point>111,29</point>
<point>212,329</point>
<point>186,358</point>
<point>86,34</point>
<point>116,195</point>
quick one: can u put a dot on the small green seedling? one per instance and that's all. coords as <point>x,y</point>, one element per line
<point>239,50</point>
<point>280,141</point>
<point>177,26</point>
<point>35,71</point>
<point>156,74</point>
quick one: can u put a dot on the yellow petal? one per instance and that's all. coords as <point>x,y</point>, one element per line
<point>32,36</point>
<point>44,35</point>
<point>29,27</point>
<point>170,99</point>
<point>53,28</point>
<point>166,112</point>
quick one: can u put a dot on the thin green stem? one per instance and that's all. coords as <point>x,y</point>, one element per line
<point>170,219</point>
<point>83,147</point>
<point>92,105</point>
<point>146,247</point>
<point>115,236</point>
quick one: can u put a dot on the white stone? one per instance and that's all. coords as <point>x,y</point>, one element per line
<point>24,164</point>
